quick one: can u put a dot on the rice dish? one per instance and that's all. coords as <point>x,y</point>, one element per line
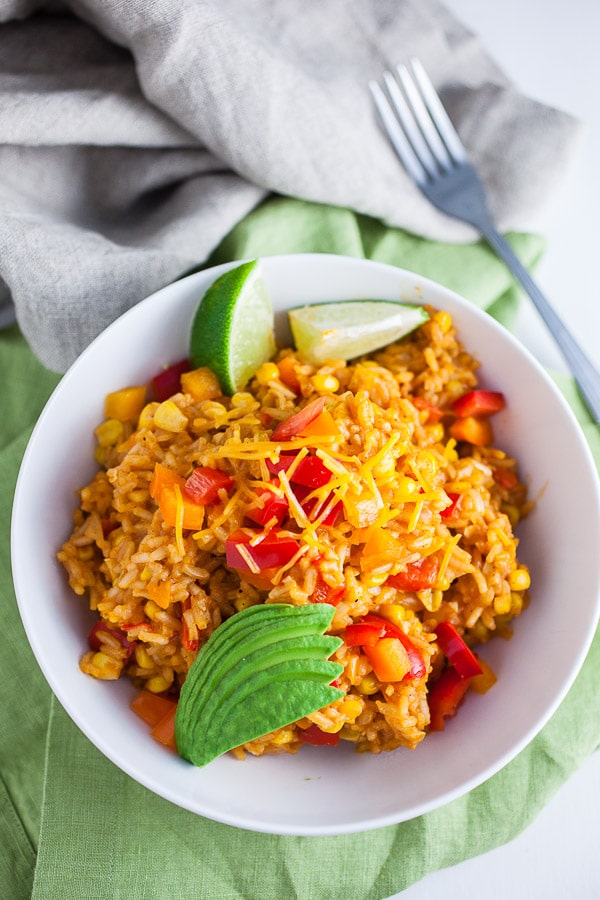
<point>412,525</point>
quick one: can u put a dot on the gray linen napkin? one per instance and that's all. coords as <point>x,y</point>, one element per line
<point>135,133</point>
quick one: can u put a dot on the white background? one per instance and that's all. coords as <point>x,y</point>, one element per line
<point>550,49</point>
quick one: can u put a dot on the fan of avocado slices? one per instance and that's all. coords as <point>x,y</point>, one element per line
<point>264,668</point>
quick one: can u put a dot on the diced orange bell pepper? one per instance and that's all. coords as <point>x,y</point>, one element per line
<point>164,731</point>
<point>389,659</point>
<point>162,477</point>
<point>323,426</point>
<point>472,430</point>
<point>381,548</point>
<point>287,373</point>
<point>151,708</point>
<point>168,503</point>
<point>160,593</point>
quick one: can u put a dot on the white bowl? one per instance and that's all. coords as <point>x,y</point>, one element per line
<point>320,791</point>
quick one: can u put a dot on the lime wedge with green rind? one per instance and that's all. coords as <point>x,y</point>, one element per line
<point>347,329</point>
<point>233,328</point>
<point>255,651</point>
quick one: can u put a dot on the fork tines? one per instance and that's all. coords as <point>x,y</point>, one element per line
<point>416,122</point>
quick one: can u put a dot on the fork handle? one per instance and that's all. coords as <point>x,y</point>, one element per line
<point>584,372</point>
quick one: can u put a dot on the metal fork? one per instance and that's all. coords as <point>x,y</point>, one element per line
<point>433,154</point>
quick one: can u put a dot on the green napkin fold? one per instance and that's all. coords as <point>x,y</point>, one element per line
<point>74,826</point>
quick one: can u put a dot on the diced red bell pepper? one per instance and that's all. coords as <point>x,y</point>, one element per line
<point>310,508</point>
<point>458,653</point>
<point>108,525</point>
<point>292,427</point>
<point>361,634</point>
<point>168,381</point>
<point>417,665</point>
<point>271,506</point>
<point>418,576</point>
<point>449,510</point>
<point>313,735</point>
<point>479,403</point>
<point>95,643</point>
<point>283,463</point>
<point>506,478</point>
<point>270,552</point>
<point>204,484</point>
<point>310,472</point>
<point>445,697</point>
<point>325,593</point>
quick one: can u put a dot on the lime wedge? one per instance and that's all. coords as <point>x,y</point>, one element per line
<point>233,327</point>
<point>348,328</point>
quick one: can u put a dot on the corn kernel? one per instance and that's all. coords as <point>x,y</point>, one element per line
<point>169,417</point>
<point>244,602</point>
<point>450,451</point>
<point>100,455</point>
<point>393,612</point>
<point>368,685</point>
<point>109,433</point>
<point>325,383</point>
<point>201,384</point>
<point>105,667</point>
<point>146,419</point>
<point>512,512</point>
<point>435,432</point>
<point>139,495</point>
<point>519,580</point>
<point>516,603</point>
<point>267,372</point>
<point>444,320</point>
<point>406,488</point>
<point>502,604</point>
<point>86,553</point>
<point>143,658</point>
<point>158,684</point>
<point>351,707</point>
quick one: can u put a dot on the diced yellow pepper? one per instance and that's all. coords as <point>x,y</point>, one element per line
<point>482,683</point>
<point>126,404</point>
<point>201,384</point>
<point>109,432</point>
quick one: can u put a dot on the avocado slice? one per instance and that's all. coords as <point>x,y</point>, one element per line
<point>250,630</point>
<point>263,668</point>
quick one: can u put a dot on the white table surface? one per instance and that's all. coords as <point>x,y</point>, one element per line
<point>551,51</point>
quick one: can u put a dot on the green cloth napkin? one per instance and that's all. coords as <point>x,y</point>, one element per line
<point>74,826</point>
